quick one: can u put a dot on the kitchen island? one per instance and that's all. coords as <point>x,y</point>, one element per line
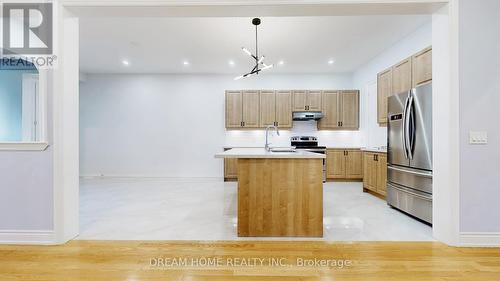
<point>280,194</point>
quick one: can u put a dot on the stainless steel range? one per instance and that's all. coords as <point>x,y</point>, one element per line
<point>310,144</point>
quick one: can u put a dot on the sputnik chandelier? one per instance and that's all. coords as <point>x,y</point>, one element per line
<point>259,62</point>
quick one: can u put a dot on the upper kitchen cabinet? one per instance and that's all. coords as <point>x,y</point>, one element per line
<point>234,107</point>
<point>422,67</point>
<point>242,109</point>
<point>299,100</point>
<point>402,76</point>
<point>409,73</point>
<point>276,109</point>
<point>331,114</point>
<point>349,113</point>
<point>284,109</point>
<point>251,102</point>
<point>267,108</point>
<point>384,90</point>
<point>340,110</point>
<point>313,101</point>
<point>306,100</point>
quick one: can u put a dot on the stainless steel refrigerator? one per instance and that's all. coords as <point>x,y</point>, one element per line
<point>409,170</point>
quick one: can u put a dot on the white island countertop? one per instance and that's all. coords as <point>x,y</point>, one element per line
<point>263,153</point>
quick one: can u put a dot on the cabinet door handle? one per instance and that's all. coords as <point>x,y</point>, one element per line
<point>341,123</point>
<point>346,152</point>
<point>243,123</point>
<point>277,123</point>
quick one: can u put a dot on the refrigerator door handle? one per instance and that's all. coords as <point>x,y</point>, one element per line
<point>424,174</point>
<point>407,126</point>
<point>411,136</point>
<point>403,135</point>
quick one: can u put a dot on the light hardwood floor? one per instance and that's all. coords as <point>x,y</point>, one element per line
<point>131,261</point>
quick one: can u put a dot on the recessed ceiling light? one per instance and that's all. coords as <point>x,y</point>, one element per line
<point>331,61</point>
<point>231,62</point>
<point>125,62</point>
<point>281,62</point>
<point>185,62</point>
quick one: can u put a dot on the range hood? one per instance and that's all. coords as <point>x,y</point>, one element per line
<point>307,115</point>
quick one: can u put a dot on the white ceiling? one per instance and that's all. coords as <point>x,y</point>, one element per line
<point>305,44</point>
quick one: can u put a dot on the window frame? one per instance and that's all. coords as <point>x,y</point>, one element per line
<point>42,123</point>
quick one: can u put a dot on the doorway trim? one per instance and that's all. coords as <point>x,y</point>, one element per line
<point>66,173</point>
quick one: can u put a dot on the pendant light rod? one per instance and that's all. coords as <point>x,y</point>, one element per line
<point>258,61</point>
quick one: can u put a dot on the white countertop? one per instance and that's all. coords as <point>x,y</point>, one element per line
<point>374,149</point>
<point>263,153</point>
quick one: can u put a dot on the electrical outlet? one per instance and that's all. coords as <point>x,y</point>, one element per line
<point>479,137</point>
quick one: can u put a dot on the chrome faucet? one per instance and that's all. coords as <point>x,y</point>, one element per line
<point>267,135</point>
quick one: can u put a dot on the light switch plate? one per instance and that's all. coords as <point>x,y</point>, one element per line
<point>478,137</point>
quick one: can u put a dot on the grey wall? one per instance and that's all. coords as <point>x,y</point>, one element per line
<point>479,98</point>
<point>26,186</point>
<point>26,199</point>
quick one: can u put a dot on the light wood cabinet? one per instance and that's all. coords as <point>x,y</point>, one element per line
<point>344,164</point>
<point>284,109</point>
<point>331,114</point>
<point>234,109</point>
<point>369,171</point>
<point>422,67</point>
<point>230,168</point>
<point>384,90</point>
<point>306,100</point>
<point>276,109</point>
<point>382,174</point>
<point>242,109</point>
<point>340,110</point>
<point>349,111</point>
<point>313,101</point>
<point>409,73</point>
<point>299,100</point>
<point>375,172</point>
<point>267,108</point>
<point>261,108</point>
<point>335,164</point>
<point>251,102</point>
<point>354,164</point>
<point>402,76</point>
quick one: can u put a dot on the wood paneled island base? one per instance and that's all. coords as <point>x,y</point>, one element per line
<point>280,197</point>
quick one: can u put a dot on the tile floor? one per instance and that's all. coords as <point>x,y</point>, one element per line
<point>159,209</point>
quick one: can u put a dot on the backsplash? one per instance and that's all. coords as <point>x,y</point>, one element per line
<point>242,138</point>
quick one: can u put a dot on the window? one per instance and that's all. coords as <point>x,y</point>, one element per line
<point>22,110</point>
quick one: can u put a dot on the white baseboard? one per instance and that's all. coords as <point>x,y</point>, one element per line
<point>27,237</point>
<point>480,239</point>
<point>152,178</point>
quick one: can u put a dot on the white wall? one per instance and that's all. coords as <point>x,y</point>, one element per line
<point>478,102</point>
<point>172,125</point>
<point>366,76</point>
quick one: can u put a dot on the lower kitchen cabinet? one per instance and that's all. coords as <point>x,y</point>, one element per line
<point>344,164</point>
<point>230,168</point>
<point>375,172</point>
